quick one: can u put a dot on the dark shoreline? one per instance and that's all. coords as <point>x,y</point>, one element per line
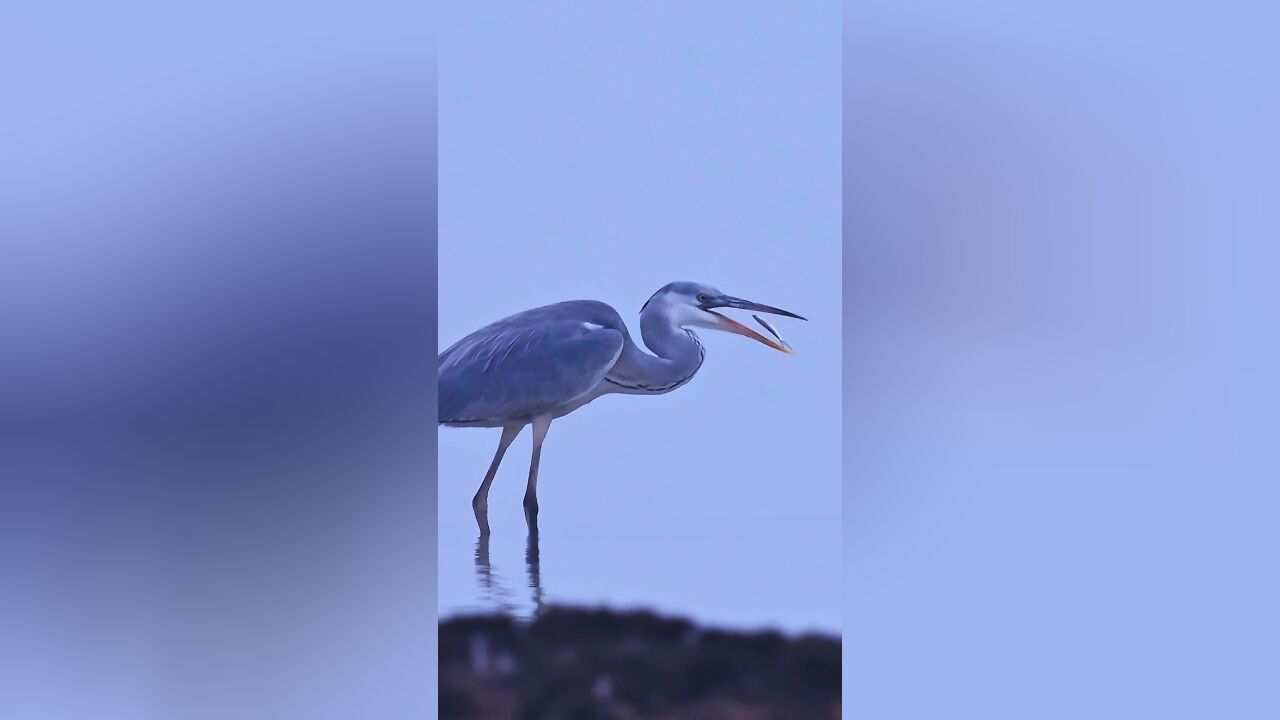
<point>584,664</point>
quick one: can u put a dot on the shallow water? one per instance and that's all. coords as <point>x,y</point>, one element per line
<point>753,547</point>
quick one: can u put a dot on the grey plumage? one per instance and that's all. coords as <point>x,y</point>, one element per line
<point>544,363</point>
<point>530,363</point>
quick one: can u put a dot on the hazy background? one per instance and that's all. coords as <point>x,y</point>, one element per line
<point>1061,351</point>
<point>601,151</point>
<point>216,333</point>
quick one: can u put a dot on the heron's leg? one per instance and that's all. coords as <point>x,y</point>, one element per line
<point>541,424</point>
<point>480,503</point>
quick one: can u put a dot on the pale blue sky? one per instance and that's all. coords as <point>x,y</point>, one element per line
<point>600,153</point>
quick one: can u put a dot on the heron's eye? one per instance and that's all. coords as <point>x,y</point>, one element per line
<point>703,297</point>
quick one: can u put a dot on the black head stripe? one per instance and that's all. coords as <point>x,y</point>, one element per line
<point>651,297</point>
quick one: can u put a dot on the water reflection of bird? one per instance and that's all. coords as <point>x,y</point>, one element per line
<point>545,363</point>
<point>492,591</point>
<point>491,588</point>
<point>532,559</point>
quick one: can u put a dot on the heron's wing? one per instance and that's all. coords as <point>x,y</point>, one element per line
<point>525,365</point>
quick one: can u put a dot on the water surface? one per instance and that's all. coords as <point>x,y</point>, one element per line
<point>740,549</point>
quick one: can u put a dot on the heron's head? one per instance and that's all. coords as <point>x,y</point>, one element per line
<point>691,304</point>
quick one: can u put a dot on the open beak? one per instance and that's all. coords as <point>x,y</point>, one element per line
<point>739,303</point>
<point>733,326</point>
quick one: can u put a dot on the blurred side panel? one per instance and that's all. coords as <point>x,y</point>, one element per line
<point>1060,364</point>
<point>217,325</point>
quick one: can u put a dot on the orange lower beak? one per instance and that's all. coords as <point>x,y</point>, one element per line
<point>733,326</point>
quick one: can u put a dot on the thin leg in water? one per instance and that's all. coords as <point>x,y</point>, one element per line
<point>541,424</point>
<point>480,503</point>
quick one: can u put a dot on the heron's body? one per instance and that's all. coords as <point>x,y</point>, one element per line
<point>553,360</point>
<point>542,364</point>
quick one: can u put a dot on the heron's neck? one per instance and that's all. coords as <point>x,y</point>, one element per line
<point>677,356</point>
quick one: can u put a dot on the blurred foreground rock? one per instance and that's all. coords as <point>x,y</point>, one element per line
<point>573,664</point>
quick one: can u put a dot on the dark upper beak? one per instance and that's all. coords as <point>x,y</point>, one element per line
<point>733,302</point>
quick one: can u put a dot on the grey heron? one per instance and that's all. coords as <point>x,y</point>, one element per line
<point>542,364</point>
